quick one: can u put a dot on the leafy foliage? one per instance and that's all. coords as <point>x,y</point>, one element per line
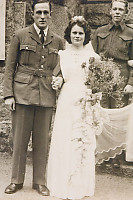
<point>104,76</point>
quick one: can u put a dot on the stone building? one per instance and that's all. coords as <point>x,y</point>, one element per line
<point>15,14</point>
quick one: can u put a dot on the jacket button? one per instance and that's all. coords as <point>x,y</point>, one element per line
<point>42,56</point>
<point>42,66</point>
<point>27,47</point>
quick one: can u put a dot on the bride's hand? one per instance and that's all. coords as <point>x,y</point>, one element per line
<point>128,89</point>
<point>130,63</point>
<point>56,82</point>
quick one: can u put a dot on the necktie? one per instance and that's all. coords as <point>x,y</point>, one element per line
<point>42,36</point>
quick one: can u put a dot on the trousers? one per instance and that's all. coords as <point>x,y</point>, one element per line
<point>26,121</point>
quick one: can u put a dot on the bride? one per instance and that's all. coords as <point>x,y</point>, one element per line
<point>71,164</point>
<point>75,142</point>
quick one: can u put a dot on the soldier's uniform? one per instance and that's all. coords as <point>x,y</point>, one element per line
<point>116,42</point>
<point>28,76</point>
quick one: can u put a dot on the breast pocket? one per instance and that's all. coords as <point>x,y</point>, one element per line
<point>124,44</point>
<point>21,78</point>
<point>27,53</point>
<point>103,40</point>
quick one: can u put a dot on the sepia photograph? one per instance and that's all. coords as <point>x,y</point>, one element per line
<point>66,99</point>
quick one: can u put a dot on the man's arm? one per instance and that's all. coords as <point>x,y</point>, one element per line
<point>130,80</point>
<point>129,86</point>
<point>10,68</point>
<point>57,69</point>
<point>94,41</point>
<point>57,79</point>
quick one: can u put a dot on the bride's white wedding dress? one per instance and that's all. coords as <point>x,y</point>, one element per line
<point>71,164</point>
<point>75,143</point>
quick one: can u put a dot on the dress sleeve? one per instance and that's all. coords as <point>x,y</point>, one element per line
<point>91,51</point>
<point>64,64</point>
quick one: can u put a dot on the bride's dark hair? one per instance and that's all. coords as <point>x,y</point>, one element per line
<point>80,21</point>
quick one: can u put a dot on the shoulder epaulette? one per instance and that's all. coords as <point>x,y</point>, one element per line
<point>103,25</point>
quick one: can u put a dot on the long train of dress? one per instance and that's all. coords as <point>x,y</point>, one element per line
<point>117,134</point>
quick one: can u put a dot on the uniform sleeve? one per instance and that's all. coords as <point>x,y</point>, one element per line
<point>57,69</point>
<point>94,41</point>
<point>62,44</point>
<point>131,51</point>
<point>130,80</point>
<point>10,68</point>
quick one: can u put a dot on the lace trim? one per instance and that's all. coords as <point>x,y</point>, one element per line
<point>110,149</point>
<point>106,154</point>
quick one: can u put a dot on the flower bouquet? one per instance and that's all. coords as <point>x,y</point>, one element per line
<point>103,76</point>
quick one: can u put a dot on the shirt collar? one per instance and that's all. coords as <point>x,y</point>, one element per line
<point>122,25</point>
<point>38,30</point>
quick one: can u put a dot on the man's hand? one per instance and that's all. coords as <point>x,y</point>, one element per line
<point>11,103</point>
<point>128,89</point>
<point>56,82</point>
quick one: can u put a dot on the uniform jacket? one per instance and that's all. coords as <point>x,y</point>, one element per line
<point>30,66</point>
<point>116,43</point>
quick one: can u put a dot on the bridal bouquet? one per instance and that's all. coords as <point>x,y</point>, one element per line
<point>104,76</point>
<point>101,76</point>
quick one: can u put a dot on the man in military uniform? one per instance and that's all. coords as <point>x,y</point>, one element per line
<point>27,90</point>
<point>115,40</point>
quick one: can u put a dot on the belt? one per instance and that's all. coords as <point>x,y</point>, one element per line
<point>35,72</point>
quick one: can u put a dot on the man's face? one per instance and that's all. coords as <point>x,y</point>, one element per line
<point>41,15</point>
<point>118,11</point>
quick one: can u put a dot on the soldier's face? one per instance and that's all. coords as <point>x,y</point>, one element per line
<point>41,15</point>
<point>118,11</point>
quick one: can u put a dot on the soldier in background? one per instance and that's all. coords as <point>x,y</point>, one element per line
<point>115,40</point>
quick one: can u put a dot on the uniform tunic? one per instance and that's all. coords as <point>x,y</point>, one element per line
<point>28,74</point>
<point>117,43</point>
<point>30,66</point>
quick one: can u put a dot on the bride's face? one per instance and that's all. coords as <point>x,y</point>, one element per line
<point>77,35</point>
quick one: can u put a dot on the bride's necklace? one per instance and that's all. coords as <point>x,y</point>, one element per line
<point>77,54</point>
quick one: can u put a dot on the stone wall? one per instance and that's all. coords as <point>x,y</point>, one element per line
<point>15,18</point>
<point>19,14</point>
